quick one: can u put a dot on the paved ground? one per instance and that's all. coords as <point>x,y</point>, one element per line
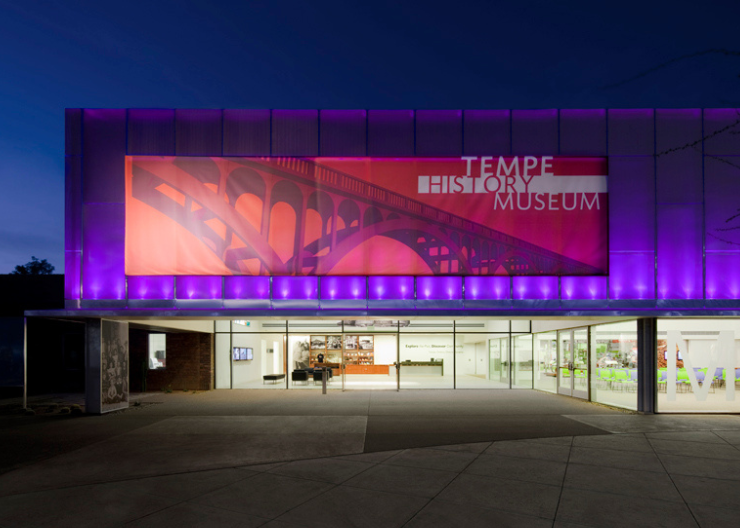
<point>200,460</point>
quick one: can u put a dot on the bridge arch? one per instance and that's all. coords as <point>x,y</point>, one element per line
<point>372,216</point>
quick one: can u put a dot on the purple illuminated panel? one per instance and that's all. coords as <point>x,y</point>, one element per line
<point>295,132</point>
<point>725,142</point>
<point>487,132</point>
<point>198,287</point>
<point>151,287</point>
<point>583,132</point>
<point>678,169</point>
<point>73,203</point>
<point>348,287</point>
<point>103,275</point>
<point>104,146</point>
<point>534,132</point>
<point>151,132</point>
<point>391,288</point>
<point>390,133</point>
<point>198,132</point>
<point>487,288</point>
<point>723,275</point>
<point>631,185</point>
<point>631,132</point>
<point>72,274</point>
<point>680,251</point>
<point>582,288</point>
<point>438,132</point>
<point>343,132</point>
<point>535,288</point>
<point>247,288</point>
<point>246,132</point>
<point>438,288</point>
<point>295,288</point>
<point>632,275</point>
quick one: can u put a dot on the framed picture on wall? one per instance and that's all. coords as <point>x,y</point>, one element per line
<point>366,342</point>
<point>350,342</point>
<point>318,342</point>
<point>333,342</point>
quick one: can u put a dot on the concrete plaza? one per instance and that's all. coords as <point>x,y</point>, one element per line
<point>371,458</point>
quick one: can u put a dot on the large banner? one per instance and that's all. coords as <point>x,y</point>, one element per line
<point>521,215</point>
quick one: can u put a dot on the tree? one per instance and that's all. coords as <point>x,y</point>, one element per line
<point>34,267</point>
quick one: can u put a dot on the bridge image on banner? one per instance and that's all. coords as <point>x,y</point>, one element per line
<point>297,216</point>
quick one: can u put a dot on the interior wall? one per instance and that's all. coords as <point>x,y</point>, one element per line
<point>546,325</point>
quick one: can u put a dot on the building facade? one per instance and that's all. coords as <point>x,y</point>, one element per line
<point>592,253</point>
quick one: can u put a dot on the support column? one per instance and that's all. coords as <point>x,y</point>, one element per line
<point>25,363</point>
<point>647,371</point>
<point>93,387</point>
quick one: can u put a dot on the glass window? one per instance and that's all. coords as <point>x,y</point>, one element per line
<point>698,362</point>
<point>426,361</point>
<point>257,361</point>
<point>545,362</point>
<point>614,364</point>
<point>473,358</point>
<point>157,351</point>
<point>498,363</point>
<point>521,361</point>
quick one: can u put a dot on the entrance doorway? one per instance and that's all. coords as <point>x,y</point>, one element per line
<point>572,369</point>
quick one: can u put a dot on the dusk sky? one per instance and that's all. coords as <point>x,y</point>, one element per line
<point>331,54</point>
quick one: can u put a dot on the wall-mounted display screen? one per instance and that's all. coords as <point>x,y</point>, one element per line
<point>473,215</point>
<point>242,353</point>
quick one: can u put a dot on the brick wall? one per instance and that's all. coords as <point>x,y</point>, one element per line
<point>189,362</point>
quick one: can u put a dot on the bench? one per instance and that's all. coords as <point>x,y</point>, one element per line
<point>272,377</point>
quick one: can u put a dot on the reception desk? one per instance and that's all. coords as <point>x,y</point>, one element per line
<point>367,369</point>
<point>423,368</point>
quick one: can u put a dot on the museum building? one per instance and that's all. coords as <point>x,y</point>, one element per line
<point>589,253</point>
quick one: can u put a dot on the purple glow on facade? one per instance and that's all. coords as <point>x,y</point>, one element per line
<point>247,288</point>
<point>343,287</point>
<point>487,288</point>
<point>72,274</point>
<point>632,275</point>
<point>535,288</point>
<point>295,288</point>
<point>391,288</point>
<point>198,287</point>
<point>723,275</point>
<point>438,288</point>
<point>151,287</point>
<point>642,189</point>
<point>582,288</point>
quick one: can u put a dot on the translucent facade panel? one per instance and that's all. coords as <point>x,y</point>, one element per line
<point>472,367</point>
<point>535,288</point>
<point>545,357</point>
<point>487,132</point>
<point>721,143</point>
<point>439,132</point>
<point>698,365</point>
<point>614,364</point>
<point>104,146</point>
<point>534,132</point>
<point>632,275</point>
<point>582,288</point>
<point>631,132</point>
<point>521,362</point>
<point>678,169</point>
<point>583,132</point>
<point>222,361</point>
<point>151,132</point>
<point>343,132</point>
<point>198,132</point>
<point>390,133</point>
<point>723,275</point>
<point>246,133</point>
<point>427,361</point>
<point>150,287</point>
<point>680,251</point>
<point>722,187</point>
<point>631,186</point>
<point>295,132</point>
<point>103,275</point>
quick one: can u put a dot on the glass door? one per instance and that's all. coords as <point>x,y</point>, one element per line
<point>572,370</point>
